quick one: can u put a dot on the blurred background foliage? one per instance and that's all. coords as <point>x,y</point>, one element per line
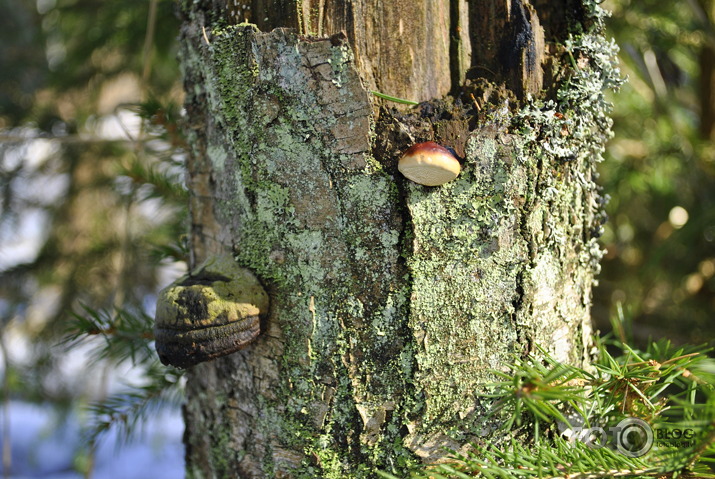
<point>660,173</point>
<point>92,203</point>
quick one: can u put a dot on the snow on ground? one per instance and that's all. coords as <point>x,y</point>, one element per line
<point>44,448</point>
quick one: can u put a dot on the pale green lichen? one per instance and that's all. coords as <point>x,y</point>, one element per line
<point>464,268</point>
<point>218,156</point>
<point>477,251</point>
<point>340,59</point>
<point>575,127</point>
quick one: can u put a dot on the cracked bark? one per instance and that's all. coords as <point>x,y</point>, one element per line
<point>390,301</point>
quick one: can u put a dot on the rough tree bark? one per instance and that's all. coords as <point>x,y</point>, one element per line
<point>390,301</point>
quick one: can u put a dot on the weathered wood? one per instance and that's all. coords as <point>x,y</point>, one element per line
<point>507,44</point>
<point>401,47</point>
<point>421,49</point>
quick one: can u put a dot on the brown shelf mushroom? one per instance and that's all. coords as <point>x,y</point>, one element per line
<point>429,164</point>
<point>211,312</point>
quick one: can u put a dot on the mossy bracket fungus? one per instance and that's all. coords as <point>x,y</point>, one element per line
<point>213,311</point>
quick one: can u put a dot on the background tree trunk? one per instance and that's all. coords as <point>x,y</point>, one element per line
<point>390,301</point>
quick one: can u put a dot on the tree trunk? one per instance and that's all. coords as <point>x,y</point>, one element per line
<point>390,301</point>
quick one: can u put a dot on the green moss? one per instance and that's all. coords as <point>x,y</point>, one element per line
<point>276,142</point>
<point>222,443</point>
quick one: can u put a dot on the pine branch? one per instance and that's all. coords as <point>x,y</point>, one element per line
<point>539,391</point>
<point>126,335</point>
<point>704,445</point>
<point>164,184</point>
<point>124,411</point>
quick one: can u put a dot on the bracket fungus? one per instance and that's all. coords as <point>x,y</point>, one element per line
<point>429,164</point>
<point>213,311</point>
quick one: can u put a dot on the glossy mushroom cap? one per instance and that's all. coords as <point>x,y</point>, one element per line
<point>429,164</point>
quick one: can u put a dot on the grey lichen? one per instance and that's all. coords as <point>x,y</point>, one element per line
<point>466,254</point>
<point>567,137</point>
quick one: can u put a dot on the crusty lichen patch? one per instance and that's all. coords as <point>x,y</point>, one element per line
<point>467,254</point>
